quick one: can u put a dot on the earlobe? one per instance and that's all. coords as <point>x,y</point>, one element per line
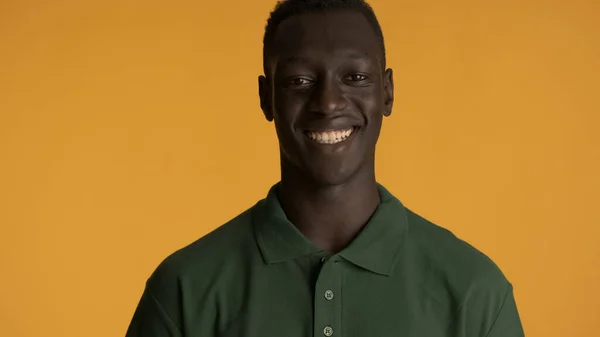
<point>388,91</point>
<point>264,92</point>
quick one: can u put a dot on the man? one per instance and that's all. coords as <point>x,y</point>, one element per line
<point>329,251</point>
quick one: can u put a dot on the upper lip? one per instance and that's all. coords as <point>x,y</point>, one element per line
<point>327,128</point>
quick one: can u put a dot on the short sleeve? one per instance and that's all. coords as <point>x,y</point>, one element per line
<point>508,322</point>
<point>151,320</point>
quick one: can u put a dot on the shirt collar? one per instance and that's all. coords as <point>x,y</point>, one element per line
<point>374,249</point>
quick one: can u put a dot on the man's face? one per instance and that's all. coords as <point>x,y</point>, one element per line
<point>327,91</point>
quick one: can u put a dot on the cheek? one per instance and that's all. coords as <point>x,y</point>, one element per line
<point>287,107</point>
<point>368,105</point>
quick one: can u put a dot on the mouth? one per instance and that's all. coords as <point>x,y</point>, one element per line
<point>331,137</point>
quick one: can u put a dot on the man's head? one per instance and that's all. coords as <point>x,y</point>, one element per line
<point>287,8</point>
<point>326,87</point>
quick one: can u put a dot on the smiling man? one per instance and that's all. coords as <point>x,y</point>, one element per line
<point>329,251</point>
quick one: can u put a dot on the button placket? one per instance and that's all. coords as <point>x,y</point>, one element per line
<point>327,319</point>
<point>328,294</point>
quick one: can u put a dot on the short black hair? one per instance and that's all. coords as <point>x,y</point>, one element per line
<point>287,8</point>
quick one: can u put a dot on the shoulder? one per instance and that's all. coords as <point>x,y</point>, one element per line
<point>463,280</point>
<point>222,253</point>
<point>452,268</point>
<point>218,245</point>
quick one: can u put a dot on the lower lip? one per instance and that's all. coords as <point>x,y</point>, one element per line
<point>354,131</point>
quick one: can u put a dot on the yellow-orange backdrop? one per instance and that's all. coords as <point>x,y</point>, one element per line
<point>130,128</point>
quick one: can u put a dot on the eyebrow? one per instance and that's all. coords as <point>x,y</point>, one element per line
<point>298,59</point>
<point>355,55</point>
<point>294,60</point>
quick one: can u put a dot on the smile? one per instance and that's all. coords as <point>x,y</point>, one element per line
<point>330,137</point>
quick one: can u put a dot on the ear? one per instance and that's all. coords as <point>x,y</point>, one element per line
<point>264,92</point>
<point>388,92</point>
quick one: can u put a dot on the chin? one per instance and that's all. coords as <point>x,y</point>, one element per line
<point>332,178</point>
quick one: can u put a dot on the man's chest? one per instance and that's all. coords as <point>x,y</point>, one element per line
<point>336,300</point>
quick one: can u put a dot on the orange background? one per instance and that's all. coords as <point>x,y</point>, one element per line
<point>130,128</point>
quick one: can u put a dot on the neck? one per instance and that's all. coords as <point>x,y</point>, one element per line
<point>330,216</point>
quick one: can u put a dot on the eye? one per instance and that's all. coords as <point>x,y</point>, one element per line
<point>298,82</point>
<point>357,77</point>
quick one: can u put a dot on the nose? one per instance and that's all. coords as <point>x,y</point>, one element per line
<point>327,97</point>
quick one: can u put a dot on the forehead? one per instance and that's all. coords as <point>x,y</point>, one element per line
<point>321,34</point>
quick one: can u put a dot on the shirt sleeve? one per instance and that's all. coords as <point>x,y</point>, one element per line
<point>508,322</point>
<point>151,320</point>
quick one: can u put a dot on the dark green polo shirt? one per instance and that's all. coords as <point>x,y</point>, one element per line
<point>258,276</point>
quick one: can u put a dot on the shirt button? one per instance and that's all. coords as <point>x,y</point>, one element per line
<point>328,331</point>
<point>323,259</point>
<point>329,295</point>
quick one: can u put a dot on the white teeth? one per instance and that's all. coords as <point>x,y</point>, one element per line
<point>330,137</point>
